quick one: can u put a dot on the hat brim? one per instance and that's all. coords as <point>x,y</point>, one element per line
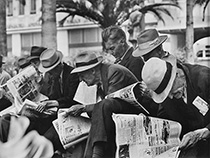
<point>84,68</point>
<point>159,98</point>
<point>44,69</point>
<point>140,52</point>
<point>33,57</point>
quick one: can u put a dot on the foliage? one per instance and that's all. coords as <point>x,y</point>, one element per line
<point>111,12</point>
<point>202,2</point>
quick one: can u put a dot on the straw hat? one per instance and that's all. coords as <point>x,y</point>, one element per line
<point>159,76</point>
<point>85,61</point>
<point>148,40</point>
<point>49,59</point>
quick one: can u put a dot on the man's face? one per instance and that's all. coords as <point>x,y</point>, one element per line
<point>115,48</point>
<point>89,77</point>
<point>154,53</point>
<point>179,85</point>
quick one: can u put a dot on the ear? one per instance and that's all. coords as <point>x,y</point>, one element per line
<point>93,71</point>
<point>123,41</point>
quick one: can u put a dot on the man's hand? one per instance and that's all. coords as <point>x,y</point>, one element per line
<point>191,138</point>
<point>76,110</point>
<point>31,145</point>
<point>46,105</point>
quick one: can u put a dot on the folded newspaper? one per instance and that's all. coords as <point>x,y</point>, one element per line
<point>140,136</point>
<point>131,94</point>
<point>70,129</point>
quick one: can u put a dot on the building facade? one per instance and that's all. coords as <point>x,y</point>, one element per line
<point>24,29</point>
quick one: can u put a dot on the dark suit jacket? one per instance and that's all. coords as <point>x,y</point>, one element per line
<point>70,83</point>
<point>198,84</point>
<point>134,64</point>
<point>114,77</point>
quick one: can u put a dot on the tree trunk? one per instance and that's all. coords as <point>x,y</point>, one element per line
<point>49,28</point>
<point>3,31</point>
<point>189,31</point>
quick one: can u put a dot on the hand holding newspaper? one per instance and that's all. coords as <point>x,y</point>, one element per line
<point>140,136</point>
<point>132,94</point>
<point>22,90</point>
<point>70,129</point>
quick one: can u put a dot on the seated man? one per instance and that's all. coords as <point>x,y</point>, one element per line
<point>59,85</point>
<point>109,78</point>
<point>183,91</point>
<point>4,77</point>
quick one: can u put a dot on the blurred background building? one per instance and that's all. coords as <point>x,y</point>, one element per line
<point>24,30</point>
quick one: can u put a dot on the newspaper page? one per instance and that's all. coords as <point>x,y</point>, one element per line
<point>140,136</point>
<point>24,86</point>
<point>131,94</point>
<point>70,129</point>
<point>85,94</point>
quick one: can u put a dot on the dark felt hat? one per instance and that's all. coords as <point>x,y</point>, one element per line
<point>1,60</point>
<point>23,62</point>
<point>148,40</point>
<point>36,51</point>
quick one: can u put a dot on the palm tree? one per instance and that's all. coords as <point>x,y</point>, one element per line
<point>203,3</point>
<point>189,39</point>
<point>3,34</point>
<point>189,26</point>
<point>49,28</point>
<point>109,12</point>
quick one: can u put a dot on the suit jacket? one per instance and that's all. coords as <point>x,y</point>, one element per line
<point>198,84</point>
<point>114,77</point>
<point>70,83</point>
<point>134,64</point>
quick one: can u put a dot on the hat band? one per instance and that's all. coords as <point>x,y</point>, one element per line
<point>148,44</point>
<point>165,80</point>
<point>94,61</point>
<point>47,66</point>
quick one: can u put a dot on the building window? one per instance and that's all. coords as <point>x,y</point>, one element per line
<point>30,39</point>
<point>76,36</point>
<point>85,37</point>
<point>21,7</point>
<point>9,8</point>
<point>33,6</point>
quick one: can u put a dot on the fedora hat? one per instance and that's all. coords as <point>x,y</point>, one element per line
<point>159,75</point>
<point>85,61</point>
<point>49,59</point>
<point>36,51</point>
<point>148,40</point>
<point>23,62</point>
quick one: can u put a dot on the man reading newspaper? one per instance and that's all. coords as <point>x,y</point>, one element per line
<point>108,78</point>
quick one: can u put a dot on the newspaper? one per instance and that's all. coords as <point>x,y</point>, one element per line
<point>131,94</point>
<point>70,129</point>
<point>140,136</point>
<point>24,86</point>
<point>85,94</point>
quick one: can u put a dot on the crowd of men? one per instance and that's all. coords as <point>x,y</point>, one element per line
<point>173,89</point>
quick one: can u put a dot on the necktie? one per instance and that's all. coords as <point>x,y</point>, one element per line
<point>56,87</point>
<point>100,92</point>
